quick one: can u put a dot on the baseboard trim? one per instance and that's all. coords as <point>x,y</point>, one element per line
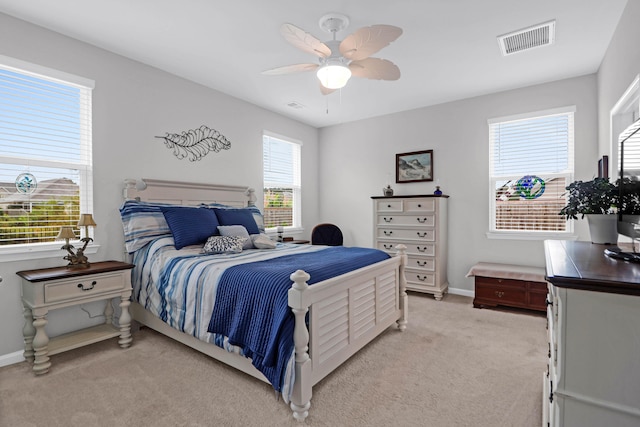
<point>463,292</point>
<point>11,358</point>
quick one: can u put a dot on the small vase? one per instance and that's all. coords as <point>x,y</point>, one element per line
<point>603,229</point>
<point>438,192</point>
<point>387,191</point>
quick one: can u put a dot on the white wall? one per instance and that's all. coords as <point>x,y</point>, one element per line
<point>356,159</point>
<point>619,67</point>
<point>132,103</point>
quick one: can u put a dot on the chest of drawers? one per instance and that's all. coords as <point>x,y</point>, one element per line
<point>593,314</point>
<point>419,223</point>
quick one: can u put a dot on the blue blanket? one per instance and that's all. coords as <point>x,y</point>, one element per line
<point>252,309</point>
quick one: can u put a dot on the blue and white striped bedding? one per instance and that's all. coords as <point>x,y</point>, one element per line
<point>184,297</point>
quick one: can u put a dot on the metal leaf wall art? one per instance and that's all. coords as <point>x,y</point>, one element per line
<point>194,144</point>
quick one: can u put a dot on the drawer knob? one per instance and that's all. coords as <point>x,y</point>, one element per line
<point>421,263</point>
<point>549,302</point>
<point>499,294</point>
<point>422,220</point>
<point>421,278</point>
<point>419,205</point>
<point>387,233</point>
<point>421,234</point>
<point>388,219</point>
<point>421,249</point>
<point>389,246</point>
<point>388,206</point>
<point>81,286</point>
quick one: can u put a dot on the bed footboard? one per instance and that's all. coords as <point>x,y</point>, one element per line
<point>344,315</point>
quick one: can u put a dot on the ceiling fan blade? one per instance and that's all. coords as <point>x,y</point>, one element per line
<point>304,41</point>
<point>368,40</point>
<point>375,68</point>
<point>325,90</point>
<point>288,69</point>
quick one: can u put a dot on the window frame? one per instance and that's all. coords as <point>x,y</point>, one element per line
<point>28,251</point>
<point>297,190</point>
<point>493,233</point>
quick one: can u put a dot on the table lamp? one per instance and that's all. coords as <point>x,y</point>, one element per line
<point>77,259</point>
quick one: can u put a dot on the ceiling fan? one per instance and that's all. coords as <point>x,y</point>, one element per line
<point>339,60</point>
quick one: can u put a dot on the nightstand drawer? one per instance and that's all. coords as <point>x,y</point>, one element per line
<point>81,287</point>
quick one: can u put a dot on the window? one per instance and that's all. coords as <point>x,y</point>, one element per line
<point>531,163</point>
<point>281,161</point>
<point>45,153</point>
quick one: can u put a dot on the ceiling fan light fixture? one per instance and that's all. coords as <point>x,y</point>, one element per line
<point>334,76</point>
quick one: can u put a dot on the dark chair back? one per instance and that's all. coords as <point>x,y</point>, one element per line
<point>326,234</point>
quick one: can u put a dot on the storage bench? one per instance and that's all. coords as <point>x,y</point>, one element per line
<point>509,285</point>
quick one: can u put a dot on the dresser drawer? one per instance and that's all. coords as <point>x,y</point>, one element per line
<point>428,249</point>
<point>420,205</point>
<point>420,278</point>
<point>428,220</point>
<point>82,287</point>
<point>427,235</point>
<point>389,205</point>
<point>422,262</point>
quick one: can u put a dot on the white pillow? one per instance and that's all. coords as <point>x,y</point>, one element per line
<point>223,244</point>
<point>262,241</point>
<point>236,231</point>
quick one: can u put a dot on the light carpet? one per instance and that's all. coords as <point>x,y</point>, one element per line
<point>453,366</point>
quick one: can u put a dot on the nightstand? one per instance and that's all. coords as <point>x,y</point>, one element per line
<point>295,241</point>
<point>52,288</point>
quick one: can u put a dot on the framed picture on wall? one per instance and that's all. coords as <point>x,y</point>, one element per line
<point>414,167</point>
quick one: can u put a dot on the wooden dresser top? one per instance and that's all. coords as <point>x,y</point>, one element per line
<point>583,265</point>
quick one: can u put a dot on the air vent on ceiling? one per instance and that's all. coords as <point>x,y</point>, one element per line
<point>295,105</point>
<point>528,38</point>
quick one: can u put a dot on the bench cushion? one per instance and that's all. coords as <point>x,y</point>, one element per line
<point>508,271</point>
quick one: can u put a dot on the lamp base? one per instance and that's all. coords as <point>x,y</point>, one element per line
<point>77,259</point>
<point>79,266</point>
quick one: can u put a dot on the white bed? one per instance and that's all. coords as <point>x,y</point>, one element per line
<point>345,313</point>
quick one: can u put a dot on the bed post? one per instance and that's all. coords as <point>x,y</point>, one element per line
<point>251,195</point>
<point>404,298</point>
<point>301,395</point>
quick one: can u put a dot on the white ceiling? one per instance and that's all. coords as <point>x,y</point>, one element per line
<point>448,50</point>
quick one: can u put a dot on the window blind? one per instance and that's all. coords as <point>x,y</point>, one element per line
<point>531,163</point>
<point>282,186</point>
<point>45,155</point>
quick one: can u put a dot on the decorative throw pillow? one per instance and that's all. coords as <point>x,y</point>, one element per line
<point>142,222</point>
<point>237,231</point>
<point>255,211</point>
<point>223,244</point>
<point>237,217</point>
<point>190,226</point>
<point>262,241</point>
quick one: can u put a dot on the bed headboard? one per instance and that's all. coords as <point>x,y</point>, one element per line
<point>187,193</point>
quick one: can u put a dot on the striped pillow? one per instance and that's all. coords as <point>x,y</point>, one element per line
<point>142,223</point>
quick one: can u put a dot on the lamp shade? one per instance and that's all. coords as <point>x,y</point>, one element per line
<point>65,233</point>
<point>86,220</point>
<point>334,76</point>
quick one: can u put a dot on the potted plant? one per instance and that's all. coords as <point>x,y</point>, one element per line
<point>597,200</point>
